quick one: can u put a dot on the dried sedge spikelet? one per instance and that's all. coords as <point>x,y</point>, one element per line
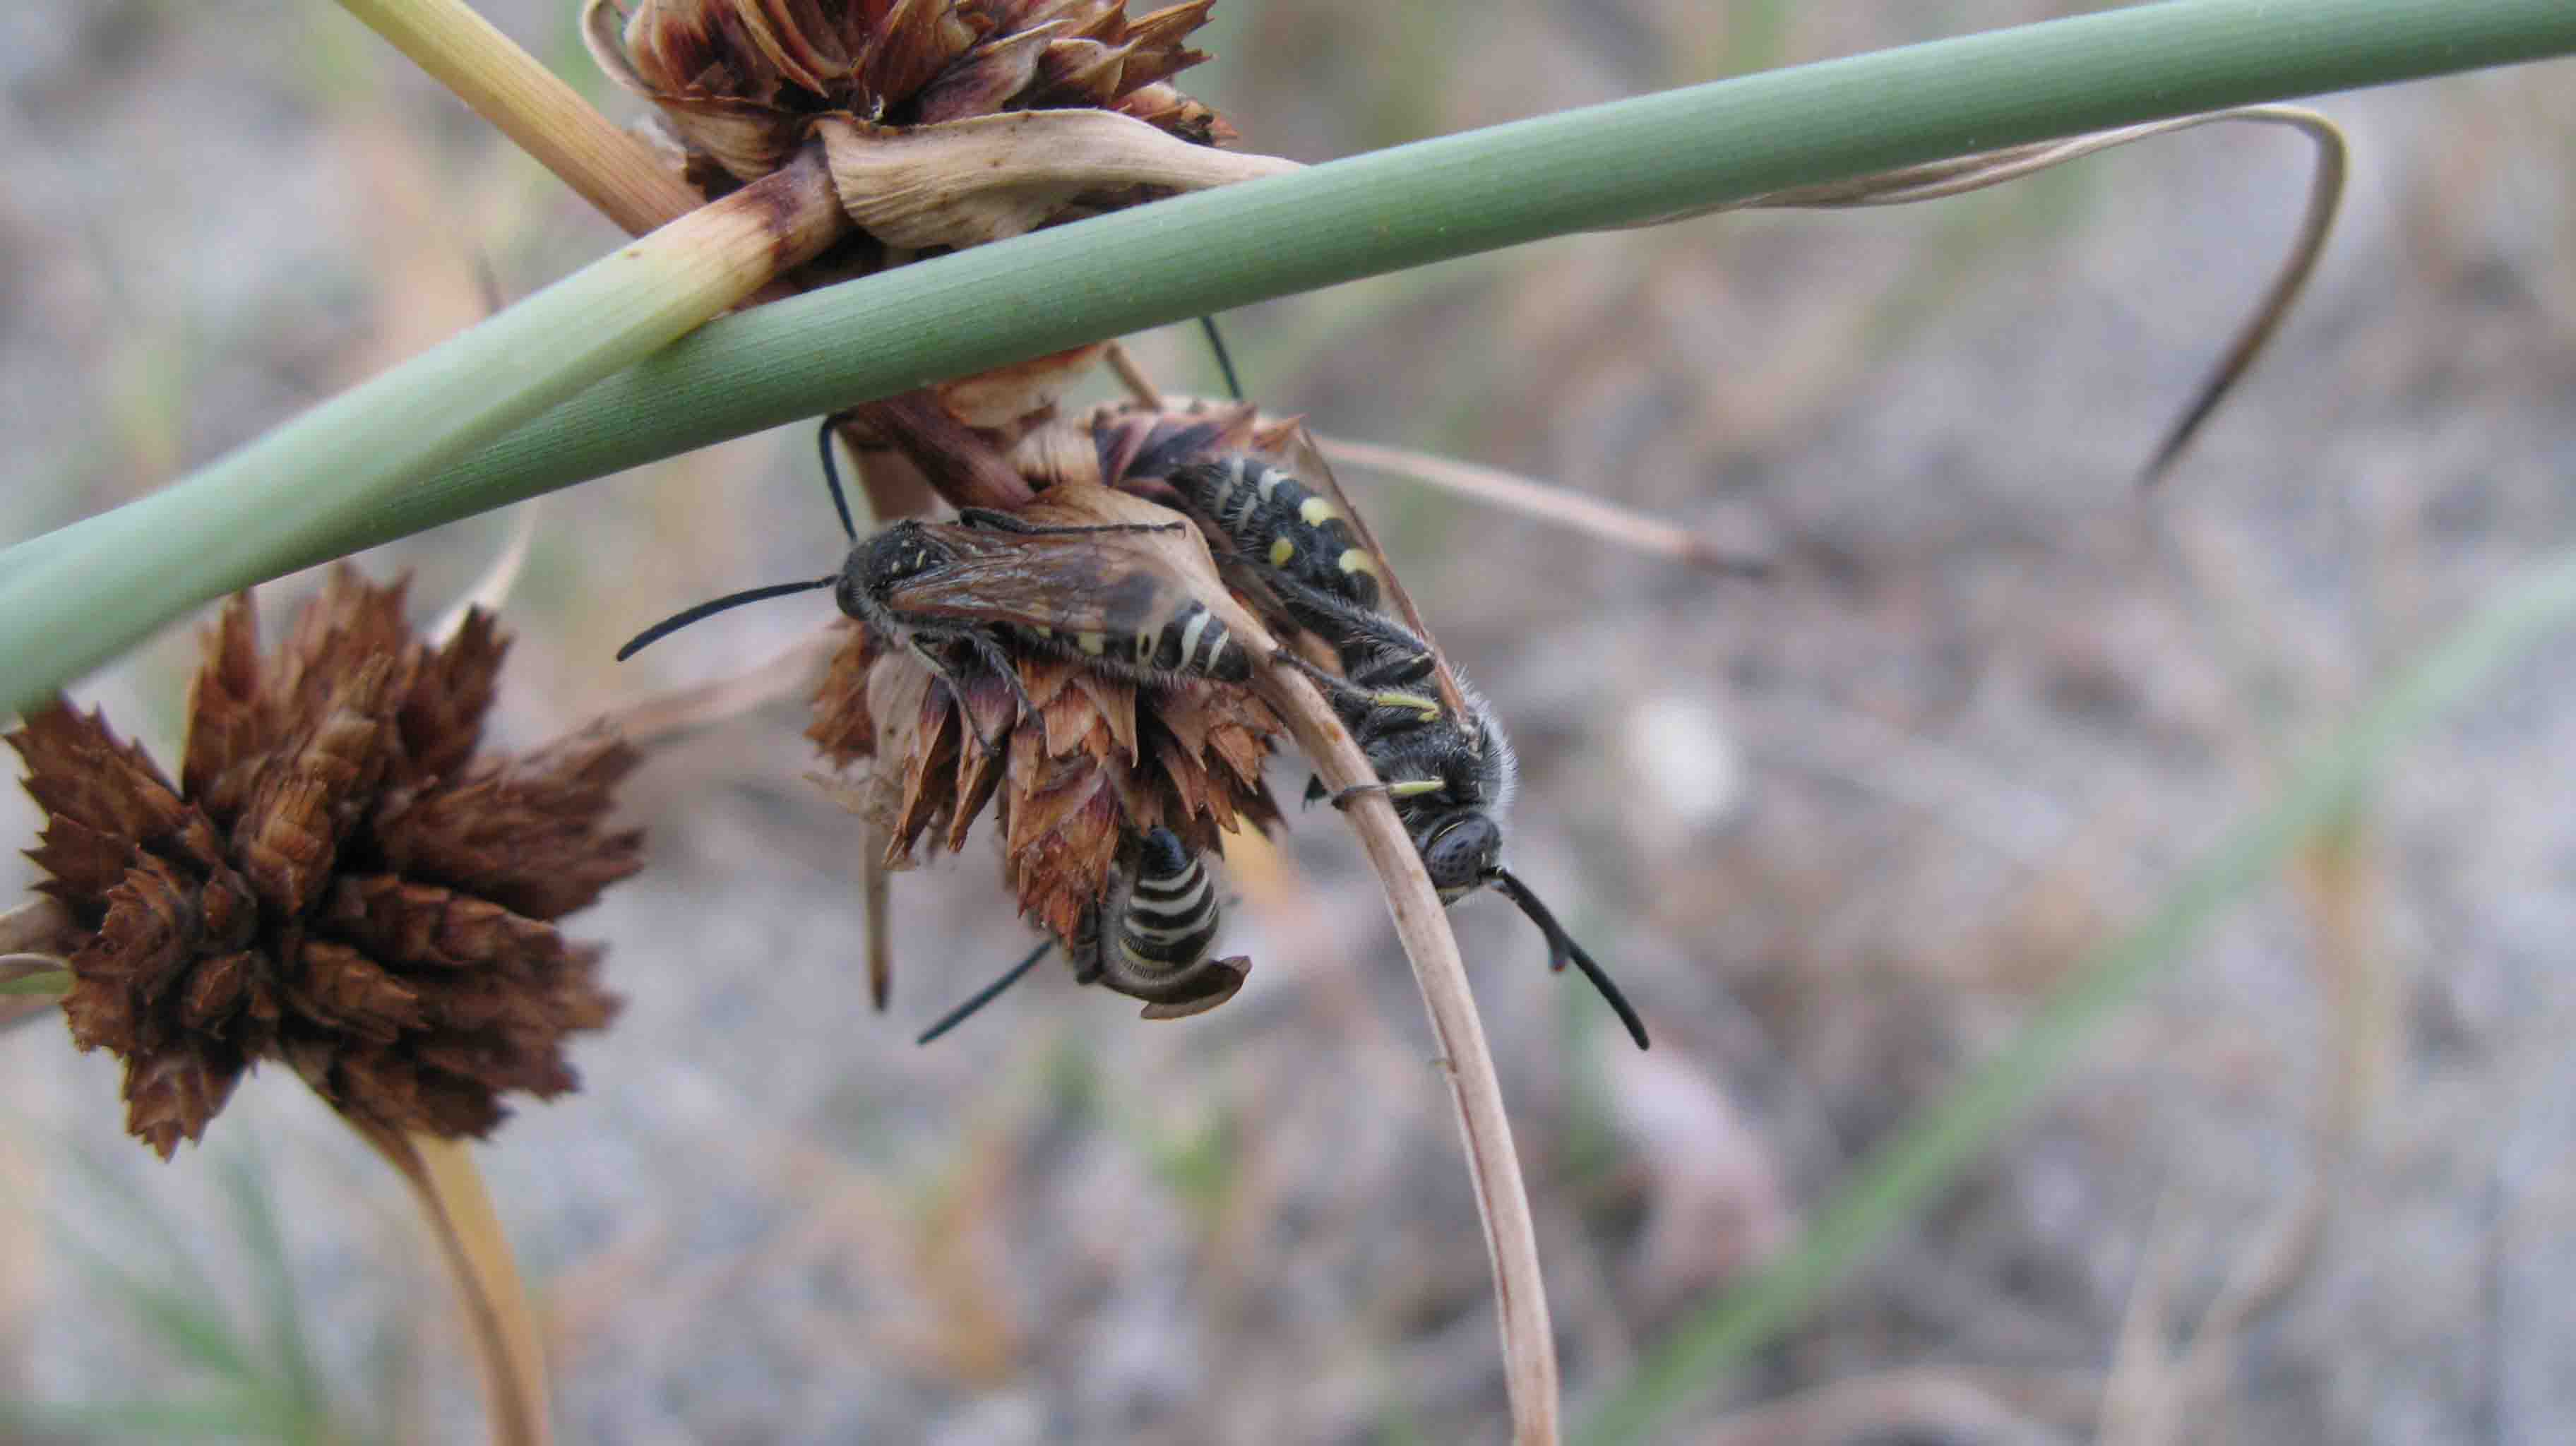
<point>1133,447</point>
<point>1100,760</point>
<point>946,122</point>
<point>335,881</point>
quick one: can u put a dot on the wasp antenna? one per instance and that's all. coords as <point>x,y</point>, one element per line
<point>832,475</point>
<point>985,995</point>
<point>677,621</point>
<point>1561,947</point>
<point>1224,358</point>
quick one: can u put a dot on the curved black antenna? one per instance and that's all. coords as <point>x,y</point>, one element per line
<point>1561,946</point>
<point>674,623</point>
<point>985,995</point>
<point>832,475</point>
<point>1224,358</point>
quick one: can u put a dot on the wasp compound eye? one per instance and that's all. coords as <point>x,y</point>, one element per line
<point>1460,855</point>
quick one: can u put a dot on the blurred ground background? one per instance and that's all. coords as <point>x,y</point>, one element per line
<point>1834,834</point>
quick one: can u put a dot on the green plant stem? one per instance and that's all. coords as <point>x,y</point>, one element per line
<point>1895,1182</point>
<point>44,984</point>
<point>1608,165</point>
<point>1612,165</point>
<point>82,597</point>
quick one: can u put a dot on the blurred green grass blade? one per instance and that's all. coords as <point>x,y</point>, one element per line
<point>48,982</point>
<point>1899,1178</point>
<point>79,595</point>
<point>248,1416</point>
<point>245,1183</point>
<point>187,1317</point>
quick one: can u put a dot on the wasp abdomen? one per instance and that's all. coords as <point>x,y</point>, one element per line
<point>1270,516</point>
<point>1171,915</point>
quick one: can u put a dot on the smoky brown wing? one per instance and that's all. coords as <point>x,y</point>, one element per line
<point>1306,460</point>
<point>1083,583</point>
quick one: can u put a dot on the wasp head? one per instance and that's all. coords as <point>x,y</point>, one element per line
<point>879,564</point>
<point>1461,851</point>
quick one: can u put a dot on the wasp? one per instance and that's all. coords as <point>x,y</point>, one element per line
<point>991,580</point>
<point>1440,756</point>
<point>1147,937</point>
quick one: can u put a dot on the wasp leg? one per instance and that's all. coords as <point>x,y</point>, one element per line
<point>1007,522</point>
<point>1343,690</point>
<point>1395,656</point>
<point>1395,789</point>
<point>991,655</point>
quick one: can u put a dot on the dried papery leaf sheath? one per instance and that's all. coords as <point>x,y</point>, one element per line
<point>336,880</point>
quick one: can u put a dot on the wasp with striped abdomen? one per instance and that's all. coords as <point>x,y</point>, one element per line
<point>1440,757</point>
<point>1147,937</point>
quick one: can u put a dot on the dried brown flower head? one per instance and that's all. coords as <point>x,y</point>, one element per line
<point>336,881</point>
<point>1100,760</point>
<point>946,122</point>
<point>1132,447</point>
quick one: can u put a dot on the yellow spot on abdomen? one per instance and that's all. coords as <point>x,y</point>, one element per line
<point>1281,551</point>
<point>1356,559</point>
<point>1316,512</point>
<point>1091,643</point>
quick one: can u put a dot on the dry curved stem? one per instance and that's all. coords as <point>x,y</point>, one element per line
<point>1960,175</point>
<point>1558,506</point>
<point>459,1210</point>
<point>542,115</point>
<point>36,939</point>
<point>1502,1199</point>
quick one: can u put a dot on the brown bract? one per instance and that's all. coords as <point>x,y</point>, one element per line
<point>1133,447</point>
<point>335,881</point>
<point>947,122</point>
<point>1101,758</point>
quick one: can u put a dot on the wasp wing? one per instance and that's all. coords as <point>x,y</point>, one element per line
<point>1306,461</point>
<point>1120,583</point>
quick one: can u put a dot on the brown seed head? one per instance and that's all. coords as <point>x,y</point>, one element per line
<point>335,881</point>
<point>743,81</point>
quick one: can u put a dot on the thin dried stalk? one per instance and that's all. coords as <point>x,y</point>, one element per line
<point>1493,1165</point>
<point>34,938</point>
<point>1560,506</point>
<point>39,926</point>
<point>1971,173</point>
<point>495,1297</point>
<point>616,173</point>
<point>665,719</point>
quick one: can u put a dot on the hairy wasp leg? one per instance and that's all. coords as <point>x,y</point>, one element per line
<point>1396,790</point>
<point>1343,690</point>
<point>926,644</point>
<point>1396,655</point>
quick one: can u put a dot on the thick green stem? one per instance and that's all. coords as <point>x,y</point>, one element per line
<point>1609,165</point>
